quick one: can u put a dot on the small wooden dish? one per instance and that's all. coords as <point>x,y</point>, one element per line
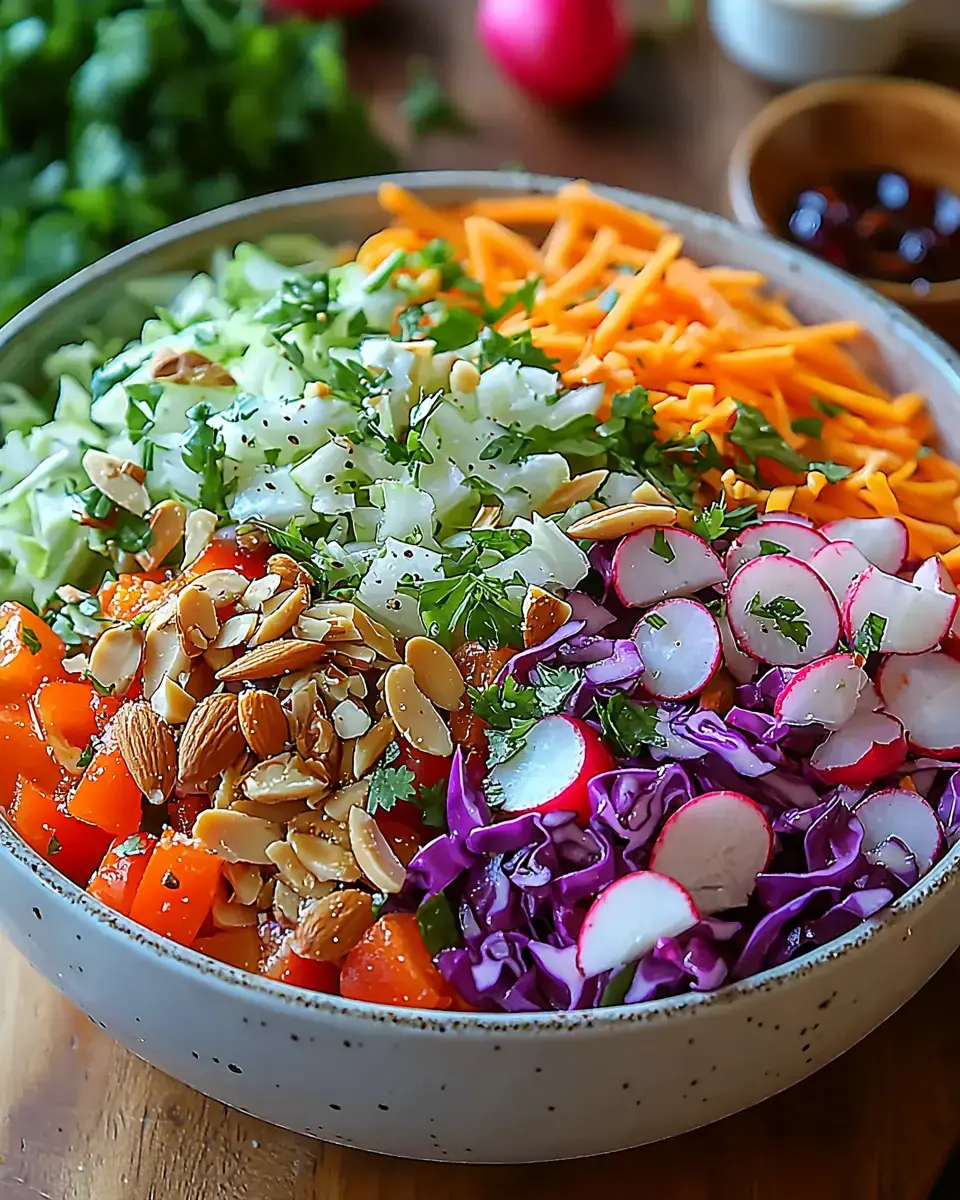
<point>811,133</point>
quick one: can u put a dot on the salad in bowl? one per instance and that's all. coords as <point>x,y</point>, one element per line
<point>508,614</point>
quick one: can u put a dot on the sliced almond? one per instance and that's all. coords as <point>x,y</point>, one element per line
<point>231,914</point>
<point>76,664</point>
<point>224,587</point>
<point>197,621</point>
<point>167,524</point>
<point>282,618</point>
<point>246,881</point>
<point>349,655</point>
<point>228,792</point>
<point>236,631</point>
<point>282,811</point>
<point>148,749</point>
<point>543,615</point>
<point>316,738</point>
<point>321,825</point>
<point>646,493</point>
<point>464,377</point>
<point>372,745</point>
<point>171,703</point>
<point>257,593</point>
<point>284,777</point>
<point>376,636</point>
<point>107,473</point>
<point>235,836</point>
<point>295,875</point>
<point>330,928</point>
<point>200,526</point>
<point>216,659</point>
<point>325,860</point>
<point>488,517</point>
<point>313,629</point>
<point>190,368</point>
<point>618,522</point>
<point>350,720</point>
<point>339,804</point>
<point>374,854</point>
<point>211,739</point>
<point>290,571</point>
<point>115,658</point>
<point>274,659</point>
<point>437,675</point>
<point>413,714</point>
<point>263,722</point>
<point>286,902</point>
<point>575,490</point>
<point>162,658</point>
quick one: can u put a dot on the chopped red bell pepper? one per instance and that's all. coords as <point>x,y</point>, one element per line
<point>178,888</point>
<point>73,847</point>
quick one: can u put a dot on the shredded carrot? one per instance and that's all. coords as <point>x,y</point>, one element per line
<point>619,304</point>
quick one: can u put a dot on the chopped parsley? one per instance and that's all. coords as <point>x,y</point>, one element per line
<point>438,924</point>
<point>757,438</point>
<point>511,710</point>
<point>142,401</point>
<point>827,407</point>
<point>203,453</point>
<point>300,300</point>
<point>833,471</point>
<point>808,426</point>
<point>432,802</point>
<point>86,756</point>
<point>53,846</point>
<point>387,786</point>
<point>785,614</point>
<point>627,726</point>
<point>772,547</point>
<point>662,548</point>
<point>717,521</point>
<point>869,636</point>
<point>30,640</point>
<point>655,621</point>
<point>555,686</point>
<point>495,348</point>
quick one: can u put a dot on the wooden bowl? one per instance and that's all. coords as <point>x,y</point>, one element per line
<point>810,134</point>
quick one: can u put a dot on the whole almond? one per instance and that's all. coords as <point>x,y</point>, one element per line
<point>211,740</point>
<point>148,750</point>
<point>331,927</point>
<point>274,659</point>
<point>263,722</point>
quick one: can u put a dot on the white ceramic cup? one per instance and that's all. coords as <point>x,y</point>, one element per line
<point>794,41</point>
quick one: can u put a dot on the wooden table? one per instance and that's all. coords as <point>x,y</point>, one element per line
<point>81,1119</point>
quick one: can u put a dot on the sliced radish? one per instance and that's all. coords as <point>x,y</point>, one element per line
<point>923,690</point>
<point>655,564</point>
<point>773,537</point>
<point>822,693</point>
<point>883,540</point>
<point>782,612</point>
<point>679,643</point>
<point>900,831</point>
<point>551,772</point>
<point>933,574</point>
<point>629,917</point>
<point>741,666</point>
<point>792,517</point>
<point>869,746</point>
<point>869,698</point>
<point>911,619</point>
<point>715,845</point>
<point>838,564</point>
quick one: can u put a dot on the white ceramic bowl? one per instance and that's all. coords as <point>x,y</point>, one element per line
<point>475,1087</point>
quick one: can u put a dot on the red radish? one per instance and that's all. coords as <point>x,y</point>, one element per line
<point>715,845</point>
<point>869,746</point>
<point>883,540</point>
<point>551,772</point>
<point>933,574</point>
<point>657,564</point>
<point>923,690</point>
<point>912,619</point>
<point>561,51</point>
<point>680,646</point>
<point>869,698</point>
<point>741,666</point>
<point>782,612</point>
<point>838,564</point>
<point>901,831</point>
<point>822,693</point>
<point>773,537</point>
<point>792,517</point>
<point>629,917</point>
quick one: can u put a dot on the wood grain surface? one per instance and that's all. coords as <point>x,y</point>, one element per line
<point>82,1119</point>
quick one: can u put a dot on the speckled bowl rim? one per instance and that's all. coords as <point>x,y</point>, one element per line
<point>264,991</point>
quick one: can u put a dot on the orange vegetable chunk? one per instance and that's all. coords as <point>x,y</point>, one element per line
<point>236,947</point>
<point>73,847</point>
<point>107,794</point>
<point>117,878</point>
<point>30,652</point>
<point>391,965</point>
<point>178,888</point>
<point>23,752</point>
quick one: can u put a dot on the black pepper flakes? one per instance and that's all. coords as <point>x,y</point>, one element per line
<point>170,881</point>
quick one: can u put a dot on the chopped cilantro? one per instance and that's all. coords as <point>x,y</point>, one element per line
<point>438,924</point>
<point>432,802</point>
<point>203,453</point>
<point>53,846</point>
<point>827,407</point>
<point>86,757</point>
<point>502,706</point>
<point>555,686</point>
<point>716,521</point>
<point>628,726</point>
<point>833,471</point>
<point>300,300</point>
<point>525,296</point>
<point>30,640</point>
<point>772,547</point>
<point>655,621</point>
<point>808,426</point>
<point>142,401</point>
<point>495,348</point>
<point>757,438</point>
<point>662,548</point>
<point>869,636</point>
<point>387,786</point>
<point>786,614</point>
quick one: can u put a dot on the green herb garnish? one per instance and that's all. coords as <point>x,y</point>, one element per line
<point>438,925</point>
<point>387,786</point>
<point>772,547</point>
<point>786,614</point>
<point>757,438</point>
<point>869,636</point>
<point>661,547</point>
<point>716,521</point>
<point>30,640</point>
<point>628,727</point>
